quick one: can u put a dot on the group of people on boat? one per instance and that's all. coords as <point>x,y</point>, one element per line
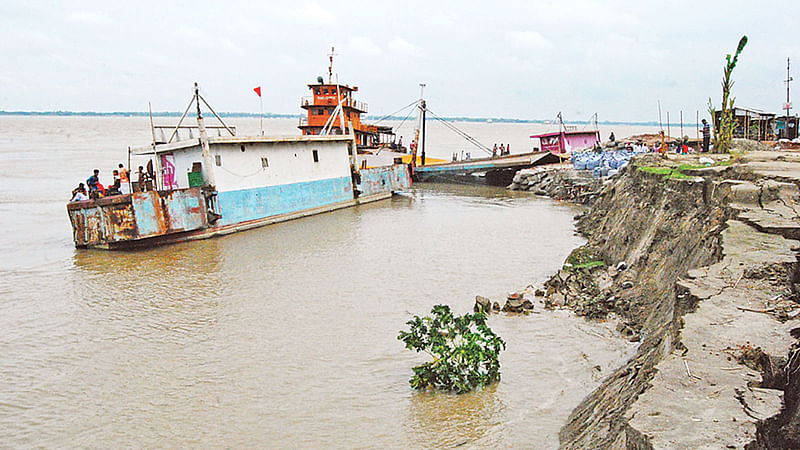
<point>94,189</point>
<point>504,150</point>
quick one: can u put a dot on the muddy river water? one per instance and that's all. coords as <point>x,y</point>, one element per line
<point>283,336</point>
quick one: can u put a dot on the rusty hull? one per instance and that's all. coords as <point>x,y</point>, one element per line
<point>124,219</point>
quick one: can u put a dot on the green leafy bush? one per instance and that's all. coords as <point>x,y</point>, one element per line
<point>464,349</point>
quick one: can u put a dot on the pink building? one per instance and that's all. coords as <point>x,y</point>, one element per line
<point>561,142</point>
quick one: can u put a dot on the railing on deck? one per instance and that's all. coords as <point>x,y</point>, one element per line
<point>191,131</point>
<point>360,106</point>
<point>308,100</point>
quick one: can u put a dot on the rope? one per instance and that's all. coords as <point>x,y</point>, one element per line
<point>404,120</point>
<point>399,110</point>
<point>461,133</point>
<point>242,176</point>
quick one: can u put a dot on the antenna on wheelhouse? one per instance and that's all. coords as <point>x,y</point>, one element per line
<point>330,66</point>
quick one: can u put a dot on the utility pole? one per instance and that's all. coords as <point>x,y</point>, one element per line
<point>788,80</point>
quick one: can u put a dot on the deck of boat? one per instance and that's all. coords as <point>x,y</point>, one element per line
<point>510,163</point>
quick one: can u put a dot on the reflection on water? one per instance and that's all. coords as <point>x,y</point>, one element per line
<point>450,420</point>
<point>282,336</point>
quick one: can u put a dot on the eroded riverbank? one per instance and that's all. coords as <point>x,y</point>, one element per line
<point>707,285</point>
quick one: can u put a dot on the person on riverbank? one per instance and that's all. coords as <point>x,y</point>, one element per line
<point>706,135</point>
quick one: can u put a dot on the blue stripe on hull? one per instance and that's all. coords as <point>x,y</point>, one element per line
<point>258,203</point>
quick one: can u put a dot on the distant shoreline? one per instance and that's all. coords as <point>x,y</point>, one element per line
<point>297,116</point>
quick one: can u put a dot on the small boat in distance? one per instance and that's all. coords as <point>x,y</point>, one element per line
<point>212,185</point>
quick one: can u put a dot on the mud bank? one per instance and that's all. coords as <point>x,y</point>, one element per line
<point>699,264</point>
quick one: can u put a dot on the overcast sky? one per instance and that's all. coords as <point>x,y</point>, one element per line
<point>515,59</point>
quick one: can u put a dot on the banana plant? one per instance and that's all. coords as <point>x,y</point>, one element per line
<point>723,129</point>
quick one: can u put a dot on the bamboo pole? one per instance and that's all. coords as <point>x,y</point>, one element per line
<point>130,186</point>
<point>669,134</point>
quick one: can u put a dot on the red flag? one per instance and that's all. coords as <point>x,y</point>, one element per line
<point>257,90</point>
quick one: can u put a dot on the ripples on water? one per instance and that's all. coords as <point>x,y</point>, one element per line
<point>283,336</point>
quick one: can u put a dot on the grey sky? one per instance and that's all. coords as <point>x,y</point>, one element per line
<point>523,59</point>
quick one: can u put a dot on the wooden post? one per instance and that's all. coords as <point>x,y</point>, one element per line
<point>669,134</point>
<point>130,186</point>
<point>697,123</point>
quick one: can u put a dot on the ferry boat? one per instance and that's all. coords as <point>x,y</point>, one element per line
<point>212,185</point>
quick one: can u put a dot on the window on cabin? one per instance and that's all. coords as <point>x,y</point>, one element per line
<point>218,160</point>
<point>315,154</point>
<point>316,91</point>
<point>325,91</point>
<point>264,162</point>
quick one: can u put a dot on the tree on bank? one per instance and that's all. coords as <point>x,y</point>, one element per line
<point>723,129</point>
<point>464,349</point>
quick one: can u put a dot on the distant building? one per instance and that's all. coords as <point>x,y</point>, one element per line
<point>751,124</point>
<point>786,127</point>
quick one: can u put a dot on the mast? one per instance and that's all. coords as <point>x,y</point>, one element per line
<point>340,108</point>
<point>424,135</point>
<point>208,171</point>
<point>420,124</point>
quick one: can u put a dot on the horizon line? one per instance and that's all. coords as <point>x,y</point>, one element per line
<point>64,113</point>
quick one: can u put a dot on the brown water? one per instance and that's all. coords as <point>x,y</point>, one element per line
<point>283,336</point>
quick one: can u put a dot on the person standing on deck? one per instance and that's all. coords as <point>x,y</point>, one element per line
<point>494,151</point>
<point>125,180</point>
<point>142,179</point>
<point>502,149</point>
<point>706,135</point>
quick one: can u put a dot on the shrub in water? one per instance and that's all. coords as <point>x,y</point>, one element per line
<point>464,349</point>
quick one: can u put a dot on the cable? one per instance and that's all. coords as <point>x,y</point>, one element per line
<point>242,176</point>
<point>399,110</point>
<point>463,134</point>
<point>404,120</point>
